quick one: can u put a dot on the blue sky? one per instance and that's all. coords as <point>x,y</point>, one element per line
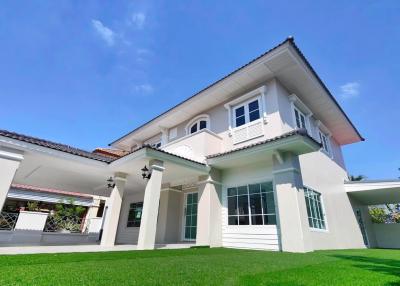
<point>86,72</point>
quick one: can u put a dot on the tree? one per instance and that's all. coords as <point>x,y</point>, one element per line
<point>357,178</point>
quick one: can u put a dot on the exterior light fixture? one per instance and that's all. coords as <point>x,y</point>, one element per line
<point>146,173</point>
<point>110,183</point>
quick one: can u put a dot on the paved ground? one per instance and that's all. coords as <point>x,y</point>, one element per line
<point>80,248</point>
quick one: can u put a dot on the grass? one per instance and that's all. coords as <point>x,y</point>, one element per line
<point>202,266</point>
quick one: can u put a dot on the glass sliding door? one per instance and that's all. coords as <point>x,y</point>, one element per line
<point>190,216</point>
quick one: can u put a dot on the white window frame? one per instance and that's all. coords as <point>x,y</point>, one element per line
<point>259,94</point>
<point>246,111</point>
<point>196,120</point>
<point>324,216</point>
<point>326,148</point>
<point>297,104</point>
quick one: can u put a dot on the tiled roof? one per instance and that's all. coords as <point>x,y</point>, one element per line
<point>290,40</point>
<point>114,153</point>
<point>301,132</point>
<point>55,146</point>
<point>48,190</point>
<point>80,152</point>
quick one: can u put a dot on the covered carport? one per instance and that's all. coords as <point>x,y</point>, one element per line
<point>363,194</point>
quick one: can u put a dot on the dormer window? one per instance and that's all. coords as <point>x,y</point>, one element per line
<point>198,123</point>
<point>247,112</point>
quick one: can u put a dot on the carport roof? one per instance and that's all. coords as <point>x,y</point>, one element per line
<point>374,192</point>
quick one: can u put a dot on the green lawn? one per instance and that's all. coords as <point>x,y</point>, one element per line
<point>204,267</point>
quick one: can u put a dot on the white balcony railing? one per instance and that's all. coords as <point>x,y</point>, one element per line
<point>249,131</point>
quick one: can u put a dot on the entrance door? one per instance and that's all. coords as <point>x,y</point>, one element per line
<point>190,217</point>
<point>362,226</point>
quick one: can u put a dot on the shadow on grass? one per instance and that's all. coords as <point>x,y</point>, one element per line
<point>385,266</point>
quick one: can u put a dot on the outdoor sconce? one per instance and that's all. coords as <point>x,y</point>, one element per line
<point>146,173</point>
<point>110,183</point>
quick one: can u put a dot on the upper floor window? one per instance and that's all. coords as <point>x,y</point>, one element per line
<point>198,123</point>
<point>300,119</point>
<point>246,112</point>
<point>325,142</point>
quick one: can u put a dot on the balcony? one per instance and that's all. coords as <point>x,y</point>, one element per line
<point>196,146</point>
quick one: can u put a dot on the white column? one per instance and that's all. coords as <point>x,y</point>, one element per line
<point>9,163</point>
<point>291,205</point>
<point>209,218</point>
<point>114,203</point>
<point>148,224</point>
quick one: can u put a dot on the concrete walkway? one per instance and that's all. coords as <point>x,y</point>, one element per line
<point>13,250</point>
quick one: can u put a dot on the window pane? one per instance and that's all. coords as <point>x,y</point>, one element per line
<point>203,124</point>
<point>254,189</point>
<point>189,209</point>
<point>194,209</point>
<point>240,121</point>
<point>193,233</point>
<point>268,203</point>
<point>239,111</point>
<point>254,115</point>
<point>244,220</point>
<point>256,220</point>
<point>255,204</point>
<point>187,232</point>
<point>232,206</point>
<point>193,129</point>
<point>303,121</point>
<point>232,220</point>
<point>243,205</point>
<point>194,220</point>
<point>188,220</point>
<point>267,187</point>
<point>194,198</point>
<point>296,115</point>
<point>253,105</point>
<point>242,190</point>
<point>270,219</point>
<point>232,192</point>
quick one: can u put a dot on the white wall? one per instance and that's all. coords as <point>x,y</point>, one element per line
<point>263,237</point>
<point>128,235</point>
<point>324,175</point>
<point>387,235</point>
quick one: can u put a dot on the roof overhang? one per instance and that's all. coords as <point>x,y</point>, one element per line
<point>374,192</point>
<point>296,143</point>
<point>286,63</point>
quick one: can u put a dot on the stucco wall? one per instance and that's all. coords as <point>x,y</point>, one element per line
<point>324,175</point>
<point>387,235</point>
<point>245,236</point>
<point>127,235</point>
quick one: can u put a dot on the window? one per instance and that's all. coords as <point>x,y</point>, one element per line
<point>135,214</point>
<point>247,112</point>
<point>198,123</point>
<point>251,205</point>
<point>325,142</point>
<point>315,210</point>
<point>300,119</point>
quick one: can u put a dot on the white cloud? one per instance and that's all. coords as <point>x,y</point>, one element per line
<point>350,90</point>
<point>138,19</point>
<point>144,88</point>
<point>105,33</point>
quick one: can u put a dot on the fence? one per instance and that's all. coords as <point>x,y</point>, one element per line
<point>8,220</point>
<point>66,224</point>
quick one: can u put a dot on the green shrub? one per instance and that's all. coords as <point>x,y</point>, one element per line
<point>378,215</point>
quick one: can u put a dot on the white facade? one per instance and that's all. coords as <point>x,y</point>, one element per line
<point>254,161</point>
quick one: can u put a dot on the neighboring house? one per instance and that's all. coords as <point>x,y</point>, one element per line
<point>252,161</point>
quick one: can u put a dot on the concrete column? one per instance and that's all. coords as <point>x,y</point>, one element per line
<point>291,205</point>
<point>9,163</point>
<point>148,224</point>
<point>114,203</point>
<point>209,218</point>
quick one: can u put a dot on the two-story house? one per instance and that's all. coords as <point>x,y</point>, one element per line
<point>252,161</point>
